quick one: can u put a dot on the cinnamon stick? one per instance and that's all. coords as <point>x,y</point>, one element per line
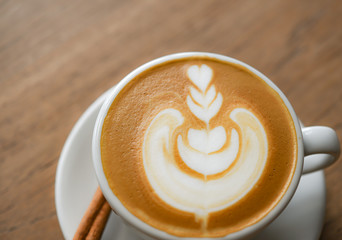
<point>97,228</point>
<point>95,218</point>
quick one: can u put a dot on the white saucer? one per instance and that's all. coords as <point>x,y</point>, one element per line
<point>76,182</point>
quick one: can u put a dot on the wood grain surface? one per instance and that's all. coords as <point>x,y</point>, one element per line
<point>57,57</point>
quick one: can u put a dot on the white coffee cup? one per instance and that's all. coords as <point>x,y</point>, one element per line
<point>318,147</point>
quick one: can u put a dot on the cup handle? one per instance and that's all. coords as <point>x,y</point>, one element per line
<point>321,148</point>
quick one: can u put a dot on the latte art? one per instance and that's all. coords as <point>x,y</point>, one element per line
<point>206,151</point>
<point>198,147</point>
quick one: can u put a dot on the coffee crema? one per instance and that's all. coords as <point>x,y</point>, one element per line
<point>198,147</point>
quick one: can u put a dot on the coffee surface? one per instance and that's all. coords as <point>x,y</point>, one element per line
<point>198,147</point>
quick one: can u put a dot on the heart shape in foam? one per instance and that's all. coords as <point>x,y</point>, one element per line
<point>200,76</point>
<point>207,141</point>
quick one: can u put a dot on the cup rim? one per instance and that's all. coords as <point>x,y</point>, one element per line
<point>143,227</point>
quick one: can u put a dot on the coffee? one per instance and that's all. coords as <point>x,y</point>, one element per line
<point>198,147</point>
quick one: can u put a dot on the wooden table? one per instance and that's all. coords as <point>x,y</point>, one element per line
<point>57,57</point>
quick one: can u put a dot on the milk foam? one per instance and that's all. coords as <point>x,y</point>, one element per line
<point>201,160</point>
<point>205,151</point>
<point>207,103</point>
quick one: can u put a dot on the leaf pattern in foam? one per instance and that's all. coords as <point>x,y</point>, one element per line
<point>205,114</point>
<point>203,104</point>
<point>203,100</point>
<point>200,76</point>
